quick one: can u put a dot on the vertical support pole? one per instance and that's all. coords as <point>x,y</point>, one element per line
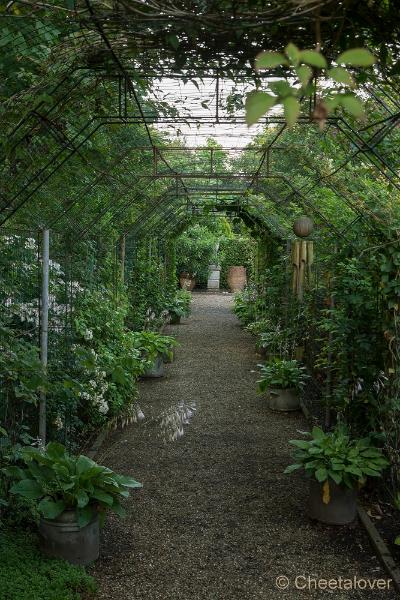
<point>122,250</point>
<point>217,99</point>
<point>328,389</point>
<point>44,329</point>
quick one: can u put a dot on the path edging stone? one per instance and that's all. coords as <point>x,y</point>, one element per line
<point>380,547</point>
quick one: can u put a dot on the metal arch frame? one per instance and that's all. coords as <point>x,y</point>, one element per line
<point>165,206</point>
<point>126,88</point>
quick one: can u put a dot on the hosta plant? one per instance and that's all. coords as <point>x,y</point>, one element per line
<point>58,482</point>
<point>152,344</point>
<point>336,456</point>
<point>258,327</point>
<point>180,305</point>
<point>281,374</point>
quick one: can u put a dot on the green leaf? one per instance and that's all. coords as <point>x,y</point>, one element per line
<point>85,515</point>
<point>313,58</point>
<point>28,488</point>
<point>128,482</point>
<point>357,57</point>
<point>304,73</point>
<point>82,498</point>
<point>397,540</point>
<point>51,509</point>
<point>371,472</point>
<point>321,474</point>
<point>282,88</point>
<point>55,450</point>
<point>341,75</point>
<point>117,508</point>
<point>293,53</point>
<point>257,104</point>
<point>337,477</point>
<point>300,444</point>
<point>292,468</point>
<point>15,472</point>
<point>352,105</point>
<point>83,464</point>
<point>269,60</point>
<point>119,376</point>
<point>292,110</point>
<point>318,433</point>
<point>102,497</point>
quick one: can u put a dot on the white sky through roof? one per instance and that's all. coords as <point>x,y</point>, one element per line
<point>197,103</point>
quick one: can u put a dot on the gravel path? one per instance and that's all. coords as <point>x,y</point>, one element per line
<point>217,519</point>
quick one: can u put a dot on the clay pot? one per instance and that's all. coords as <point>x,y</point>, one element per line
<point>187,282</point>
<point>237,278</point>
<point>340,510</point>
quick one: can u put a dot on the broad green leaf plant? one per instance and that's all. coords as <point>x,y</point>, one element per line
<point>281,374</point>
<point>334,456</point>
<point>58,482</point>
<point>302,69</point>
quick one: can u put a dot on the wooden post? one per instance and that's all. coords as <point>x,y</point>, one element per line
<point>44,330</point>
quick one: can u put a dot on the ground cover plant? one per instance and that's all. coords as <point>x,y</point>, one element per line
<point>26,575</point>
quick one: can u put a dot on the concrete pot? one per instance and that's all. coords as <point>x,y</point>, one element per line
<point>283,400</point>
<point>342,508</point>
<point>174,319</point>
<point>167,359</point>
<point>213,277</point>
<point>63,538</point>
<point>156,370</point>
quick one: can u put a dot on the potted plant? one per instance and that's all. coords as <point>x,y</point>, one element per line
<point>187,280</point>
<point>336,466</point>
<point>179,307</point>
<point>153,346</point>
<point>283,379</point>
<point>72,494</point>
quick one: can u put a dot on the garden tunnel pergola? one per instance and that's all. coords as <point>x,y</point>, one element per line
<point>135,57</point>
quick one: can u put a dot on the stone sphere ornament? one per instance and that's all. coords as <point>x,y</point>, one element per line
<point>303,227</point>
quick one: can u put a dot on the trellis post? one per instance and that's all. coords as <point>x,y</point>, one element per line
<point>44,329</point>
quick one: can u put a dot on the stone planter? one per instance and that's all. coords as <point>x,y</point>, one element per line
<point>283,400</point>
<point>156,370</point>
<point>63,538</point>
<point>340,510</point>
<point>187,282</point>
<point>237,278</point>
<point>213,277</point>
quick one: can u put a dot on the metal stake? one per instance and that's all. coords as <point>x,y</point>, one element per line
<point>44,329</point>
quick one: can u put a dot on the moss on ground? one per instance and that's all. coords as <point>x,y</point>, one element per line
<point>26,575</point>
